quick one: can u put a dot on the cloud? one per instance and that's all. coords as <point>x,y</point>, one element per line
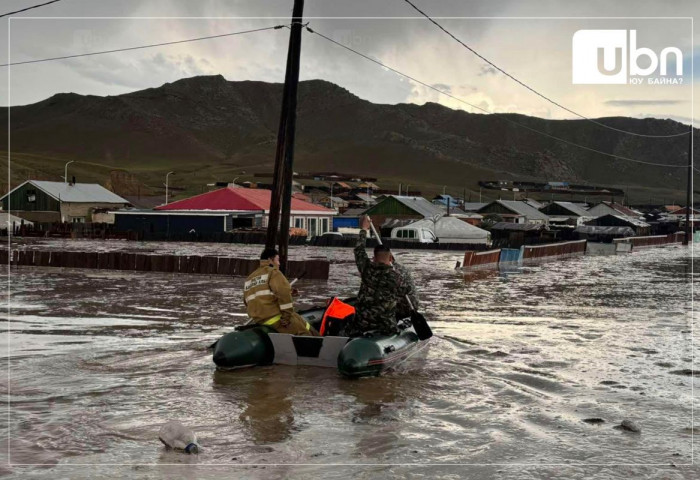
<point>536,51</point>
<point>633,103</point>
<point>487,70</point>
<point>442,86</point>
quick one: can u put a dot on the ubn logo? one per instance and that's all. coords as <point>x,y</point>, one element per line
<point>601,57</point>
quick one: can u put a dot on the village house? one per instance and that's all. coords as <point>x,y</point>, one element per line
<point>395,210</point>
<point>514,235</point>
<point>678,215</point>
<point>221,211</point>
<point>640,228</point>
<point>612,208</point>
<point>43,201</point>
<point>566,213</point>
<point>514,211</point>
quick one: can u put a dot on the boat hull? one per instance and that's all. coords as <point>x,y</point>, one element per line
<point>353,357</point>
<point>372,356</point>
<point>244,348</point>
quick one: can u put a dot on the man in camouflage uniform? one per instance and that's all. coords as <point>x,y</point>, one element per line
<point>268,298</point>
<point>379,291</point>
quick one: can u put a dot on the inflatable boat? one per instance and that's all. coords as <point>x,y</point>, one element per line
<point>370,355</point>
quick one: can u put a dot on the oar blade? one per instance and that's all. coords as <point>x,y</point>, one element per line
<point>420,325</point>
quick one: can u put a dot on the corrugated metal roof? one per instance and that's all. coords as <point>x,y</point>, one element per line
<point>239,199</point>
<point>629,220</point>
<point>364,197</point>
<point>353,212</point>
<point>420,205</point>
<point>522,208</point>
<point>76,192</point>
<point>533,203</point>
<point>518,227</point>
<point>473,206</point>
<point>573,208</point>
<point>621,209</point>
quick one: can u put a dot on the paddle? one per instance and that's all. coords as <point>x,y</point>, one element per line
<point>213,345</point>
<point>420,324</point>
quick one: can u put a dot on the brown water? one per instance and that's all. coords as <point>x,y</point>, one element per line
<point>100,359</point>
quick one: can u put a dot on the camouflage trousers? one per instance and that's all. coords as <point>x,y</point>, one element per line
<point>363,322</point>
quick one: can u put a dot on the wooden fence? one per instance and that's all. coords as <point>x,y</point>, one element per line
<point>312,269</point>
<point>653,241</point>
<point>562,249</point>
<point>473,259</point>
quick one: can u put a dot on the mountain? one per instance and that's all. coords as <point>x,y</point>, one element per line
<point>209,129</point>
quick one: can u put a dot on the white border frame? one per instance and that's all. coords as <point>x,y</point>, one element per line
<point>285,19</point>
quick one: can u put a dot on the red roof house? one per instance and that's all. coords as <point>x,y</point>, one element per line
<point>240,200</point>
<point>315,219</point>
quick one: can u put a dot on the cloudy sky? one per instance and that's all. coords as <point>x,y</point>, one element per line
<point>520,36</point>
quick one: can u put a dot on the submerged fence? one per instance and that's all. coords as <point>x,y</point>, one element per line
<point>563,249</point>
<point>494,258</point>
<point>653,241</point>
<point>527,253</point>
<point>311,269</point>
<point>473,259</point>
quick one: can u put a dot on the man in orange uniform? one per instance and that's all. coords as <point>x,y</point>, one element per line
<point>268,298</point>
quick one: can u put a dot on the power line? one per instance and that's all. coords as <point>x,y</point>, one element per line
<point>532,89</point>
<point>442,92</point>
<point>143,46</point>
<point>29,8</point>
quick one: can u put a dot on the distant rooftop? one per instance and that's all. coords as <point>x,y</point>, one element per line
<point>420,205</point>
<point>239,199</point>
<point>75,192</point>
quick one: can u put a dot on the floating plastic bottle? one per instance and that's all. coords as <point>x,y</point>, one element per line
<point>177,436</point>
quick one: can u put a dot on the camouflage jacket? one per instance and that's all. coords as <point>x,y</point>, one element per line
<point>406,287</point>
<point>376,301</point>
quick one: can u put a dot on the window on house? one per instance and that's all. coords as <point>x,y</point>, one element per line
<point>411,234</point>
<point>313,222</point>
<point>299,222</point>
<point>324,225</point>
<point>31,196</point>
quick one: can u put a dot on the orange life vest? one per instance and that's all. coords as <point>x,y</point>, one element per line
<point>336,311</point>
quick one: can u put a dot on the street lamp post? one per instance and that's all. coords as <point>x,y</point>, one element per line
<point>408,192</point>
<point>234,181</point>
<point>166,186</point>
<point>65,171</point>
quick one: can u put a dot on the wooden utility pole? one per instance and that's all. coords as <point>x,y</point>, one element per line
<point>284,157</point>
<point>688,193</point>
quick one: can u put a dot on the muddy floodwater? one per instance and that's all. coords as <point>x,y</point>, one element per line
<point>530,372</point>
